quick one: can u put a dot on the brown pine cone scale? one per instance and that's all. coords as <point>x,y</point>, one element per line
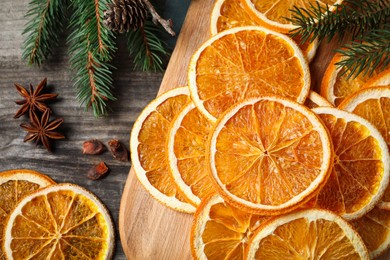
<point>124,15</point>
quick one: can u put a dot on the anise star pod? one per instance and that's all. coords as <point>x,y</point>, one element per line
<point>41,130</point>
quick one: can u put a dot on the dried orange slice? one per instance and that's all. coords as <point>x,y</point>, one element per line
<point>245,62</point>
<point>15,185</point>
<point>373,104</point>
<point>274,13</point>
<point>186,153</point>
<point>382,79</point>
<point>307,234</point>
<point>61,221</point>
<point>336,85</point>
<point>229,14</point>
<point>269,155</point>
<point>148,148</point>
<point>220,231</point>
<point>315,100</point>
<point>374,228</point>
<point>361,168</point>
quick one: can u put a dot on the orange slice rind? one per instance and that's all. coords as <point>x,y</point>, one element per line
<point>382,79</point>
<point>316,100</point>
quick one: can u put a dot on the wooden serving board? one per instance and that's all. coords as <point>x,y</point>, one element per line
<point>149,230</point>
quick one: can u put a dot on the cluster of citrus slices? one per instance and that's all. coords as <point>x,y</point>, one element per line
<point>270,168</point>
<point>40,219</point>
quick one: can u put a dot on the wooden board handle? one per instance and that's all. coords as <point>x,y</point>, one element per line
<point>149,230</point>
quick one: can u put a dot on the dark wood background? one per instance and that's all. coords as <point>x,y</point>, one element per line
<point>67,163</point>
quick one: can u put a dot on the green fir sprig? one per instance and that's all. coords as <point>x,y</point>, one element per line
<point>92,44</point>
<point>42,30</point>
<point>91,49</point>
<point>148,50</point>
<point>355,17</point>
<point>364,21</point>
<point>367,53</point>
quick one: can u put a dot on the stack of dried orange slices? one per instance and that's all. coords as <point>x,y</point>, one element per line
<point>40,219</point>
<point>269,167</point>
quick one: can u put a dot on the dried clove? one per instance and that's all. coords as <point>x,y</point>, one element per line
<point>97,172</point>
<point>94,147</point>
<point>118,150</point>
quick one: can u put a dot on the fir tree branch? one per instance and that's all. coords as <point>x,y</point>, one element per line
<point>353,16</point>
<point>91,48</point>
<point>367,53</point>
<point>42,30</point>
<point>102,46</point>
<point>167,24</point>
<point>148,50</point>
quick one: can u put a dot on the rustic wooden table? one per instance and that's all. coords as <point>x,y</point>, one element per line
<point>133,89</point>
<point>67,164</point>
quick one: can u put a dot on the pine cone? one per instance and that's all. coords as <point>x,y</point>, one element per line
<point>123,15</point>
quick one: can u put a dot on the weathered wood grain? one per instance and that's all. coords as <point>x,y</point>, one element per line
<point>67,164</point>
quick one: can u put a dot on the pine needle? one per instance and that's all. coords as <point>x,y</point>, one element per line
<point>91,48</point>
<point>367,53</point>
<point>353,16</point>
<point>42,30</point>
<point>149,51</point>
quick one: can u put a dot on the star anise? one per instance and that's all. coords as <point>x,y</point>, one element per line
<point>33,99</point>
<point>41,130</point>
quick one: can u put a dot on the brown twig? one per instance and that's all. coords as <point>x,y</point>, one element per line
<point>40,29</point>
<point>101,44</point>
<point>167,24</point>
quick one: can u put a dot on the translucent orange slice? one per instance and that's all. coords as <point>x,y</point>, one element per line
<point>61,221</point>
<point>220,231</point>
<point>269,155</point>
<point>246,62</point>
<point>14,186</point>
<point>361,168</point>
<point>380,80</point>
<point>315,100</point>
<point>229,14</point>
<point>274,13</point>
<point>373,104</point>
<point>148,148</point>
<point>186,153</point>
<point>374,228</point>
<point>307,234</point>
<point>336,85</point>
